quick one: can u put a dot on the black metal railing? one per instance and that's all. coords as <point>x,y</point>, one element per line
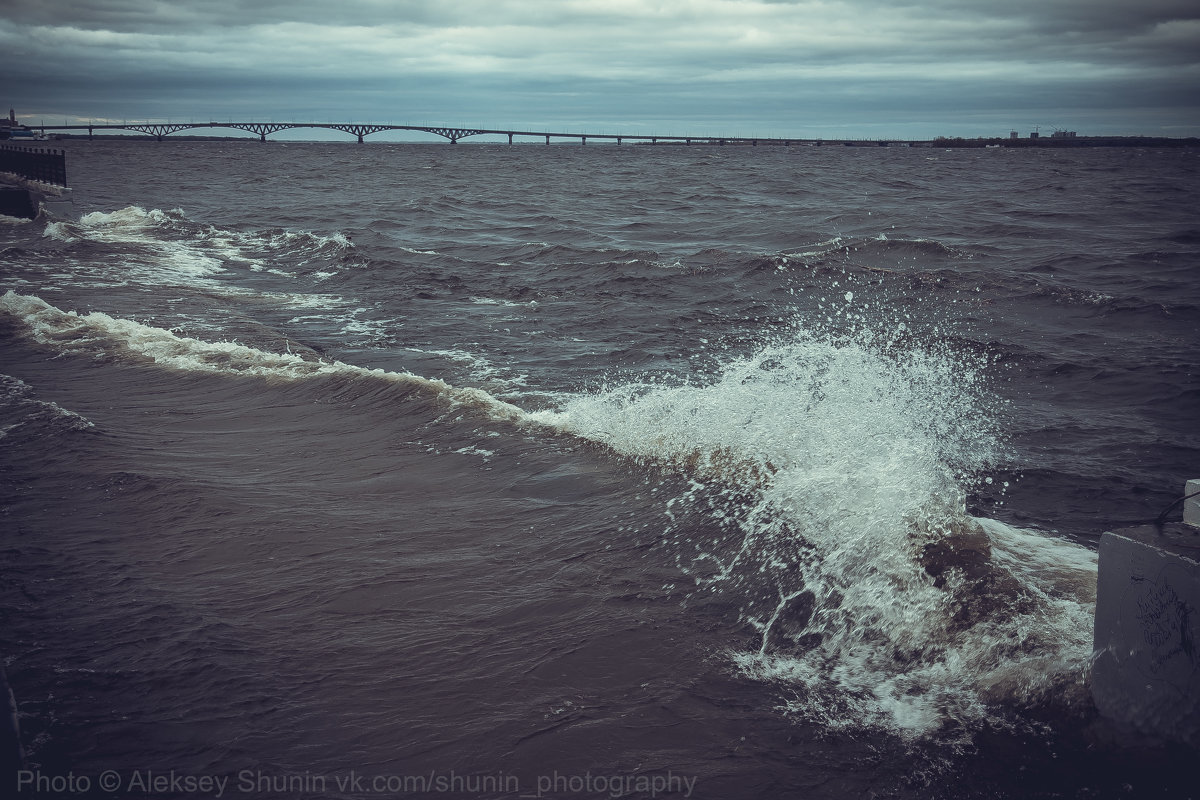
<point>45,166</point>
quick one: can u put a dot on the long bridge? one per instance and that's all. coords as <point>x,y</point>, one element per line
<point>161,129</point>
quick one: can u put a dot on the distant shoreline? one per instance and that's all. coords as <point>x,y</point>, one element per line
<point>943,142</point>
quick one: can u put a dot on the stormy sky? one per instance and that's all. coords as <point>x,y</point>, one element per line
<point>809,68</point>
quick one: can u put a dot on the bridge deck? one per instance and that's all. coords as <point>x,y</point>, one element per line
<point>453,134</point>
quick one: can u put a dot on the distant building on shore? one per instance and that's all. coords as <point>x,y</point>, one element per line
<point>11,129</point>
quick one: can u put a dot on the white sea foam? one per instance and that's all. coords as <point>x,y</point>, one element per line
<point>472,450</point>
<point>307,299</point>
<point>490,301</point>
<point>179,250</point>
<point>479,369</point>
<point>818,249</point>
<point>168,249</point>
<point>169,257</point>
<point>365,332</point>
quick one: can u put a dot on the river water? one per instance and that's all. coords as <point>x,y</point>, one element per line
<point>338,470</point>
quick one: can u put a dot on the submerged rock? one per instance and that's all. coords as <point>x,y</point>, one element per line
<point>960,561</point>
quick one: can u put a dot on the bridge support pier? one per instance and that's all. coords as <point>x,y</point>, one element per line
<point>262,137</point>
<point>360,139</point>
<point>91,135</point>
<point>510,138</point>
<point>547,138</point>
<point>583,140</point>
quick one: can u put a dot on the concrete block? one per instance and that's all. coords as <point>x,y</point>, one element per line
<point>17,202</point>
<point>1146,663</point>
<point>1191,506</point>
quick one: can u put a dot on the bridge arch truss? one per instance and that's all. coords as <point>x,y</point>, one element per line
<point>261,128</point>
<point>355,130</point>
<point>453,134</point>
<point>158,130</point>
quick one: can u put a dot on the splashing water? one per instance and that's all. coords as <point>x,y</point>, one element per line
<point>836,468</point>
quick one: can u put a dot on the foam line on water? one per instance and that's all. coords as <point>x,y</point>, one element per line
<point>96,332</point>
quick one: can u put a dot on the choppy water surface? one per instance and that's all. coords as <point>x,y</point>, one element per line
<point>605,471</point>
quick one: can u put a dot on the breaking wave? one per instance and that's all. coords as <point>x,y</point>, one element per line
<point>827,487</point>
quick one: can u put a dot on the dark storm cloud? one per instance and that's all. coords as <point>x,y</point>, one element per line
<point>147,16</point>
<point>602,59</point>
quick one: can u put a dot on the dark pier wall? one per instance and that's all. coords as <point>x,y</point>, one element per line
<point>41,165</point>
<point>27,176</point>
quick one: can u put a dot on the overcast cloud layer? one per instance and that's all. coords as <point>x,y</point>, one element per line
<point>736,67</point>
